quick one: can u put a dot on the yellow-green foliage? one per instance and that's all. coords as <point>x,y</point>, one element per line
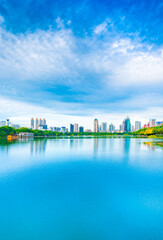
<point>150,131</point>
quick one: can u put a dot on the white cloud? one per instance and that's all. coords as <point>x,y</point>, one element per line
<point>102,69</point>
<point>101,28</point>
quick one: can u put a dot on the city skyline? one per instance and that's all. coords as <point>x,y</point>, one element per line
<point>110,61</point>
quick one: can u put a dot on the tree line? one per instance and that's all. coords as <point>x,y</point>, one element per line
<point>6,130</point>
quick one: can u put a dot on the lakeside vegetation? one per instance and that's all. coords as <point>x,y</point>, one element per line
<point>146,132</point>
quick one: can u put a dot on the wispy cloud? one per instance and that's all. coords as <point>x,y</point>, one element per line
<point>57,69</point>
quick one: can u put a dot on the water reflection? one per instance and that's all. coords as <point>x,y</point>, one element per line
<point>38,146</point>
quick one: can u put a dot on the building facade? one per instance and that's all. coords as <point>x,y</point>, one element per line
<point>96,125</point>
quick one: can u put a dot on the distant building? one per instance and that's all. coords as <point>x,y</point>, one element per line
<point>152,122</point>
<point>26,134</point>
<point>40,122</point>
<point>16,126</point>
<point>121,128</point>
<point>36,123</point>
<point>159,123</point>
<point>71,128</point>
<point>96,125</point>
<point>137,125</point>
<point>127,125</point>
<point>56,129</point>
<point>64,129</point>
<point>7,122</point>
<point>32,123</point>
<point>76,128</point>
<point>88,130</point>
<point>104,127</point>
<point>2,123</point>
<point>81,129</point>
<point>44,122</point>
<point>111,128</point>
<point>132,128</point>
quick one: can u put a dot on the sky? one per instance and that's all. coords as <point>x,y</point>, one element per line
<point>73,61</point>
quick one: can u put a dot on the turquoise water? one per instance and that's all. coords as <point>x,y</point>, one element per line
<point>72,189</point>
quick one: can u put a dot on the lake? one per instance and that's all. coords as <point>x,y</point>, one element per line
<point>81,189</point>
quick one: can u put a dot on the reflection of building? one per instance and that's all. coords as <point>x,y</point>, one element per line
<point>38,146</point>
<point>96,125</point>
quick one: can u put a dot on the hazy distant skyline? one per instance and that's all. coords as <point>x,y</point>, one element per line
<point>72,61</point>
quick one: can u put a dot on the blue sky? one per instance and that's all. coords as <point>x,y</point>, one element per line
<point>76,60</point>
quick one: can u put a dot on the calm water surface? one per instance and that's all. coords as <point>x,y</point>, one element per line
<point>89,189</point>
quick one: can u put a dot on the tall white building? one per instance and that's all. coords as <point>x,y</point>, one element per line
<point>96,125</point>
<point>152,122</point>
<point>36,123</point>
<point>32,123</point>
<point>104,127</point>
<point>137,125</point>
<point>76,127</point>
<point>111,128</point>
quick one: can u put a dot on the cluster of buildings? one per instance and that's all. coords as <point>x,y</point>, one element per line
<point>126,126</point>
<point>153,123</point>
<point>8,123</point>
<point>39,124</point>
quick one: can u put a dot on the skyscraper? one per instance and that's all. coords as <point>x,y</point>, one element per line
<point>104,127</point>
<point>137,125</point>
<point>40,122</point>
<point>127,125</point>
<point>111,128</point>
<point>36,123</point>
<point>7,122</point>
<point>71,128</point>
<point>152,122</point>
<point>32,123</point>
<point>81,129</point>
<point>44,122</point>
<point>96,126</point>
<point>76,128</point>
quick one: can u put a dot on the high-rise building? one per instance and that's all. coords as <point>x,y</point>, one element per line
<point>159,123</point>
<point>44,122</point>
<point>152,122</point>
<point>71,128</point>
<point>7,122</point>
<point>137,125</point>
<point>2,123</point>
<point>121,128</point>
<point>40,122</point>
<point>81,129</point>
<point>36,123</point>
<point>104,127</point>
<point>32,123</point>
<point>96,125</point>
<point>111,128</point>
<point>127,125</point>
<point>76,128</point>
<point>132,128</point>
